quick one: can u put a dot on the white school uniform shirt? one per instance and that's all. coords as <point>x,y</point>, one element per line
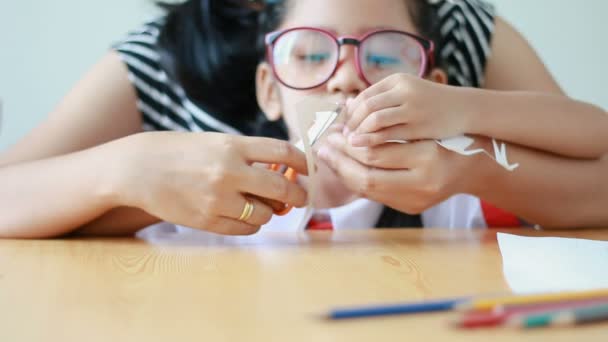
<point>457,212</point>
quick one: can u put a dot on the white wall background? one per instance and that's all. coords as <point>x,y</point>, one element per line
<point>45,46</point>
<point>571,36</point>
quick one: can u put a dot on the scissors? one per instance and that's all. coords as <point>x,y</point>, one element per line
<point>323,120</point>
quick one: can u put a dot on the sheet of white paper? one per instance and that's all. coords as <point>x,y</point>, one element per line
<point>551,264</point>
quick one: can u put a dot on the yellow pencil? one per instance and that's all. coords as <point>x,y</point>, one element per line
<point>490,303</point>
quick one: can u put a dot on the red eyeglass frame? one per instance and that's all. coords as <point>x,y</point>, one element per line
<point>427,47</point>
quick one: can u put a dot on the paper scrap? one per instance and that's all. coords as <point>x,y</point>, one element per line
<point>460,145</point>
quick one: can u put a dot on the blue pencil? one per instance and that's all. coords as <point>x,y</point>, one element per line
<point>396,309</point>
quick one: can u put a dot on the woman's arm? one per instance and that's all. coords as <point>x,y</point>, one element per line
<point>548,190</point>
<point>53,196</point>
<point>38,176</point>
<point>553,123</point>
<point>529,107</point>
<point>514,65</point>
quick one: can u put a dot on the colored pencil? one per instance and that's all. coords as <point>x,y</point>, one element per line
<point>562,317</point>
<point>477,319</point>
<point>492,302</point>
<point>396,309</point>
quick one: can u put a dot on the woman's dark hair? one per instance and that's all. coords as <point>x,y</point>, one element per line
<point>208,47</point>
<point>212,49</point>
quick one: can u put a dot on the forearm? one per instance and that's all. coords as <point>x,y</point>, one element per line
<point>549,190</point>
<point>118,222</point>
<point>551,123</point>
<point>54,196</point>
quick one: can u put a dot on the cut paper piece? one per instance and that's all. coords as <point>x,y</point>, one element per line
<point>314,117</point>
<point>460,144</point>
<point>552,264</point>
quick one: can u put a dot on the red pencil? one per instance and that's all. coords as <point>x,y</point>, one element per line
<point>476,319</point>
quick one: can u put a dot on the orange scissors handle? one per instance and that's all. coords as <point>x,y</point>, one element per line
<point>291,175</point>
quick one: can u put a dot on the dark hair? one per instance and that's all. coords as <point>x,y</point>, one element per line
<point>208,47</point>
<point>212,49</point>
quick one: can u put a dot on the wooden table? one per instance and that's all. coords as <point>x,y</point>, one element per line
<point>268,287</point>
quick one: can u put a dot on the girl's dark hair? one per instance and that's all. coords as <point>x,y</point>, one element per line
<point>212,49</point>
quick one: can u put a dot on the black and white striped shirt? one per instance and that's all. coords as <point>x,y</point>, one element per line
<point>466,31</point>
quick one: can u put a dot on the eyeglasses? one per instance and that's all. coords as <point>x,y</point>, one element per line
<point>307,57</point>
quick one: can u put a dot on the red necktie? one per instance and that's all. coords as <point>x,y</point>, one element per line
<point>320,221</point>
<point>498,218</point>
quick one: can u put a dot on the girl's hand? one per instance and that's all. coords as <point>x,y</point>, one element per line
<point>405,107</point>
<point>203,180</point>
<point>409,177</point>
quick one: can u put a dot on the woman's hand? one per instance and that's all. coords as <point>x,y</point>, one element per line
<point>405,107</point>
<point>410,177</point>
<point>203,180</point>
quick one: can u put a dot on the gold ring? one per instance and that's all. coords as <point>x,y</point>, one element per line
<point>247,211</point>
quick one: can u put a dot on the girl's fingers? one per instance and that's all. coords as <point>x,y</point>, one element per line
<point>395,133</point>
<point>364,108</point>
<point>383,118</point>
<point>375,89</point>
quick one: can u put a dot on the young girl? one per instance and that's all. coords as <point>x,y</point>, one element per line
<point>85,169</point>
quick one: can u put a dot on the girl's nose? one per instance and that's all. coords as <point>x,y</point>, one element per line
<point>346,79</point>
